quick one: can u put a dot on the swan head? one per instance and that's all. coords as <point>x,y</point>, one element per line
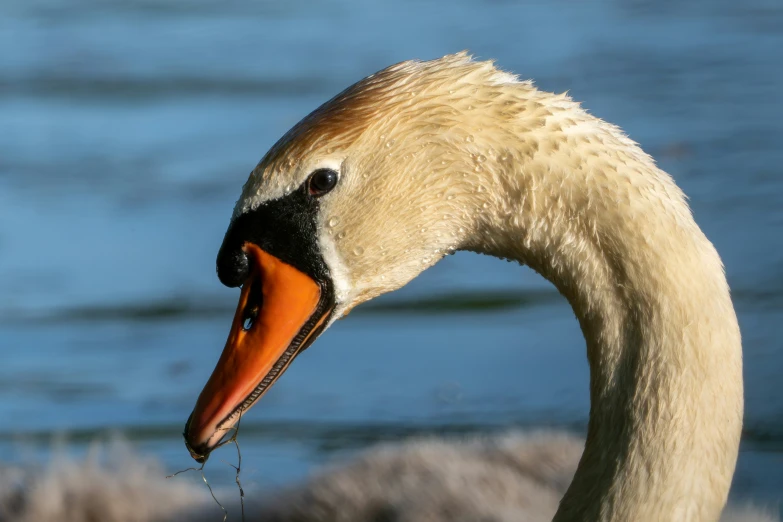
<point>356,200</point>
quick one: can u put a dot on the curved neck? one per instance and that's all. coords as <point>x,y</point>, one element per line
<point>614,235</point>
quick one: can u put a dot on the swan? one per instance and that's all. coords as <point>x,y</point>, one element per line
<point>428,157</point>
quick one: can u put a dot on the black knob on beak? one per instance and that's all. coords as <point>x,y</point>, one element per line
<point>233,266</point>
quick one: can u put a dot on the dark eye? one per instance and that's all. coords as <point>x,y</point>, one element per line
<point>322,181</point>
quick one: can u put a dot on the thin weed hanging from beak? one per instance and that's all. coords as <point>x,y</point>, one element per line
<point>209,487</point>
<point>238,469</point>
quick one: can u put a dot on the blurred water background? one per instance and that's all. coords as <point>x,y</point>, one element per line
<point>127,130</point>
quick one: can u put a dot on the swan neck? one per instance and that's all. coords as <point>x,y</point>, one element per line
<point>615,236</point>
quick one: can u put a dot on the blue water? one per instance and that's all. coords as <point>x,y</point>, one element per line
<point>127,130</point>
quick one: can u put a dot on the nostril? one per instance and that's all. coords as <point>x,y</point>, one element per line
<point>255,299</point>
<point>233,267</point>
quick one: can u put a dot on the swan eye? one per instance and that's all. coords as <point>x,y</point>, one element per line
<point>322,181</point>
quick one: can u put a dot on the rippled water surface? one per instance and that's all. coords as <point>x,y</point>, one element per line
<point>128,128</point>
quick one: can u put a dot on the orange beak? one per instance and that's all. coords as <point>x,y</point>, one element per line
<point>281,311</point>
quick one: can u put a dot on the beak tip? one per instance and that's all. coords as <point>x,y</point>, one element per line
<point>198,452</point>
